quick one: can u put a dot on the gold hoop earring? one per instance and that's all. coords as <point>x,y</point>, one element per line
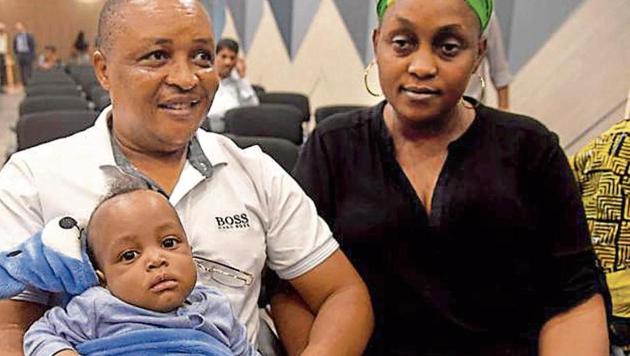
<point>482,95</point>
<point>366,74</point>
<point>482,82</point>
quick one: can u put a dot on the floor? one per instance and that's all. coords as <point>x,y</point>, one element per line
<point>9,103</point>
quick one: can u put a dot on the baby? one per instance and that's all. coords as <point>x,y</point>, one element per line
<point>142,258</point>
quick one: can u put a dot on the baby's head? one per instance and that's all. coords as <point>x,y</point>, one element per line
<point>139,248</point>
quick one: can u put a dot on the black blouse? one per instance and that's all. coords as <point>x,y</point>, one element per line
<point>505,247</point>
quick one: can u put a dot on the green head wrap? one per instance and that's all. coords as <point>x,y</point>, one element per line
<point>483,9</point>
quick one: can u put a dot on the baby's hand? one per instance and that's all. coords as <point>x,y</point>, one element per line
<point>67,352</point>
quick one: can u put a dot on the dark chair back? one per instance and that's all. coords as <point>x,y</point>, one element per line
<point>51,73</point>
<point>52,103</point>
<point>86,79</point>
<point>102,101</point>
<point>50,78</point>
<point>324,112</point>
<point>53,90</point>
<point>282,151</point>
<point>259,89</point>
<point>73,68</point>
<point>37,128</point>
<point>267,120</point>
<point>296,100</point>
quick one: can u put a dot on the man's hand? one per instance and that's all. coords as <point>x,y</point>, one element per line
<point>335,293</point>
<point>16,318</point>
<point>241,67</point>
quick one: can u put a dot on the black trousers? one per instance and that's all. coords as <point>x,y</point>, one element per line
<point>26,67</point>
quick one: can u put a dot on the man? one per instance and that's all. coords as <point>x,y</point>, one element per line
<point>235,90</point>
<point>602,171</point>
<point>24,49</point>
<point>4,49</point>
<point>240,210</point>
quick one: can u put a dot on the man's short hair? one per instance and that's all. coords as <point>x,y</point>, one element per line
<point>110,13</point>
<point>107,27</point>
<point>227,43</point>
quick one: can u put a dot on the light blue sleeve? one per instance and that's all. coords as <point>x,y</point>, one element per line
<point>238,339</point>
<point>61,328</point>
<point>218,313</point>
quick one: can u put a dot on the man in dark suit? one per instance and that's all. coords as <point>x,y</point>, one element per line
<point>4,49</point>
<point>24,49</point>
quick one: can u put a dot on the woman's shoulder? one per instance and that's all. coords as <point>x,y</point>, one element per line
<point>353,120</point>
<point>511,125</point>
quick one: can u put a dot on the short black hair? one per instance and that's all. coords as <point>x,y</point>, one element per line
<point>121,184</point>
<point>110,12</point>
<point>227,43</point>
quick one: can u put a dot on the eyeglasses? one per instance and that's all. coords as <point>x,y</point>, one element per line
<point>222,273</point>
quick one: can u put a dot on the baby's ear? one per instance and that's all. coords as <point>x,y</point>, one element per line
<point>101,278</point>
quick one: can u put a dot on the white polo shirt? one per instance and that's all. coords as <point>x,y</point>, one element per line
<point>69,176</point>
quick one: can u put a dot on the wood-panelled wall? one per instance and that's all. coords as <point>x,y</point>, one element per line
<point>53,22</point>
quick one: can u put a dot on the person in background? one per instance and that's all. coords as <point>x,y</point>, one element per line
<point>80,47</point>
<point>49,59</point>
<point>495,64</point>
<point>240,209</point>
<point>464,221</point>
<point>4,51</point>
<point>235,90</point>
<point>602,171</point>
<point>24,49</point>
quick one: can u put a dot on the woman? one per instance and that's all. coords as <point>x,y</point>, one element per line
<point>464,221</point>
<point>49,59</point>
<point>80,48</point>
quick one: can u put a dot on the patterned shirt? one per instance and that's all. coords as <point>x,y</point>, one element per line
<point>602,169</point>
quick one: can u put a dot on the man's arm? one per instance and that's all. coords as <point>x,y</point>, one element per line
<point>503,94</point>
<point>337,296</point>
<point>16,318</point>
<point>330,288</point>
<point>580,331</point>
<point>292,318</point>
<point>498,64</point>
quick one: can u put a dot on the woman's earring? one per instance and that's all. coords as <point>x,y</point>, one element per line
<point>482,82</point>
<point>366,75</point>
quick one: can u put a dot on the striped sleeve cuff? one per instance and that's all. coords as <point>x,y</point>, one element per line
<point>311,261</point>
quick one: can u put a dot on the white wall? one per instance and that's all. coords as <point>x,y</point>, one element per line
<point>577,84</point>
<point>531,24</point>
<point>327,67</point>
